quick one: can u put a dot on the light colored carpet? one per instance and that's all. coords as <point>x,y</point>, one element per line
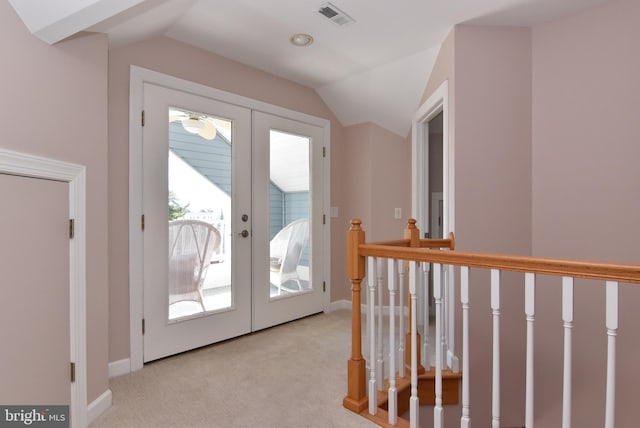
<point>293,375</point>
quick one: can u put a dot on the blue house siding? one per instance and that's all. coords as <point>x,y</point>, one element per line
<point>296,206</point>
<point>211,158</point>
<point>276,210</point>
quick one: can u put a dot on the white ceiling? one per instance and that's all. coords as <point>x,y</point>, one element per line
<point>374,70</point>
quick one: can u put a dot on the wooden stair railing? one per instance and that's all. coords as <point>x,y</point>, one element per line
<point>388,402</point>
<point>356,399</point>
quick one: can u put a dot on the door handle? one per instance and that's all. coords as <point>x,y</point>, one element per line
<point>244,233</point>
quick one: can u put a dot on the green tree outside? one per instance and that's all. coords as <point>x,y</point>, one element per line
<point>175,209</point>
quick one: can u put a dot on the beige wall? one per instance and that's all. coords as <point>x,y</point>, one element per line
<point>177,59</point>
<point>586,198</point>
<point>54,104</point>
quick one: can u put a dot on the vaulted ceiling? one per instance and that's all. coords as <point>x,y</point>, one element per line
<point>373,69</point>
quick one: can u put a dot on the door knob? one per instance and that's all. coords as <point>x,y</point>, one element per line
<point>245,217</point>
<point>244,233</point>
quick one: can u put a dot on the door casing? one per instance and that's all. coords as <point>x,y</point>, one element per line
<point>138,77</point>
<point>75,175</point>
<point>436,103</point>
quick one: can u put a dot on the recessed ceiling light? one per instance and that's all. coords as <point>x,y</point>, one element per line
<point>301,39</point>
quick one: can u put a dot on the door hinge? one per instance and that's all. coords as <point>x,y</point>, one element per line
<point>324,219</point>
<point>143,326</point>
<point>324,287</point>
<point>324,152</point>
<point>72,228</point>
<point>142,118</point>
<point>72,372</point>
<point>142,222</point>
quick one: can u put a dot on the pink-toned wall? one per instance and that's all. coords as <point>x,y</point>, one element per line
<point>177,59</point>
<point>374,172</point>
<point>351,172</point>
<point>377,180</point>
<point>493,194</point>
<point>54,104</point>
<point>546,149</point>
<point>489,75</point>
<point>586,197</point>
<point>390,184</point>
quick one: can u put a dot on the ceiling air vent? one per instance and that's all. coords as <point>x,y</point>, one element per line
<point>335,15</point>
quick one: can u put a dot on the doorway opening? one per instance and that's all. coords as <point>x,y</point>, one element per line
<point>433,204</point>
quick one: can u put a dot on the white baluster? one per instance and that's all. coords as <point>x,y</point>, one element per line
<point>414,405</point>
<point>393,393</point>
<point>373,393</point>
<point>529,308</point>
<point>401,328</point>
<point>379,341</point>
<point>444,346</point>
<point>567,318</point>
<point>612,331</point>
<point>452,359</point>
<point>495,308</point>
<point>437,295</point>
<point>426,339</point>
<point>465,420</point>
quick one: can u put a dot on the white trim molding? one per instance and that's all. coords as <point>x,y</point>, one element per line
<point>98,406</point>
<point>437,102</point>
<point>120,367</point>
<point>75,175</point>
<point>339,305</point>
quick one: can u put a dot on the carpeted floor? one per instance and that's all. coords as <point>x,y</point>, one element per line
<point>290,376</point>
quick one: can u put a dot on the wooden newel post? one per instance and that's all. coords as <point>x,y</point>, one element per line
<point>412,233</point>
<point>356,399</point>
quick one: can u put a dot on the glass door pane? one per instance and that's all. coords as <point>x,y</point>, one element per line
<point>289,208</point>
<point>199,214</point>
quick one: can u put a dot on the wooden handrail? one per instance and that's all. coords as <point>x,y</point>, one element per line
<point>538,265</point>
<point>423,243</point>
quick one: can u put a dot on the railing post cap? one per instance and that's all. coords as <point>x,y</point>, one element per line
<point>411,223</point>
<point>355,224</point>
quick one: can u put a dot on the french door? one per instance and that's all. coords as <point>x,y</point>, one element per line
<point>287,200</point>
<point>222,195</point>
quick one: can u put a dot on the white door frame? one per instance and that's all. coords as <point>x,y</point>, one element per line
<point>436,103</point>
<point>138,77</point>
<point>75,175</point>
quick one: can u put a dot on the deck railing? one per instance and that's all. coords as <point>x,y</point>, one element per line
<point>365,376</point>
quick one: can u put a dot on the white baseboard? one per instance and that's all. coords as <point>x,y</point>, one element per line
<point>339,305</point>
<point>98,406</point>
<point>120,367</point>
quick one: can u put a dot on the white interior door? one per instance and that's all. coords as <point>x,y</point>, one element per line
<point>196,203</point>
<point>288,220</point>
<point>34,292</point>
